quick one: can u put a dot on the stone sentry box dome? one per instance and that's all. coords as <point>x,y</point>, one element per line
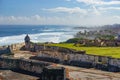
<point>27,42</point>
<point>27,39</point>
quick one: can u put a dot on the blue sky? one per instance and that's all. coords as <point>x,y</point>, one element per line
<point>60,12</point>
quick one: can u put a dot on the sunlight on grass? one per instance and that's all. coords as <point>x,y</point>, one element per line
<point>103,51</point>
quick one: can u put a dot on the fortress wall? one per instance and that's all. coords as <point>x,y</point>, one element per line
<point>17,46</point>
<point>91,58</point>
<point>9,63</point>
<point>59,49</point>
<point>9,49</point>
<point>23,64</point>
<point>85,58</point>
<point>32,66</point>
<point>72,57</point>
<point>4,49</point>
<point>58,53</point>
<point>105,60</point>
<point>79,57</point>
<point>44,69</point>
<point>114,62</point>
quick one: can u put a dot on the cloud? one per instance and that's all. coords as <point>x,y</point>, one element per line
<point>109,8</point>
<point>100,2</point>
<point>89,1</point>
<point>56,20</point>
<point>36,19</point>
<point>117,17</point>
<point>95,11</point>
<point>67,10</point>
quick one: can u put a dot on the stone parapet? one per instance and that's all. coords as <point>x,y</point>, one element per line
<point>78,58</point>
<point>37,67</point>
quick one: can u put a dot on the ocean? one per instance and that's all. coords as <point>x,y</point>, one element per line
<point>10,34</point>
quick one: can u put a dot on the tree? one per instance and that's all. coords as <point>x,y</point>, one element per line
<point>72,40</point>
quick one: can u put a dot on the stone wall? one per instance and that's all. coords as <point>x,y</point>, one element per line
<point>23,64</point>
<point>77,58</point>
<point>10,48</point>
<point>54,73</point>
<point>17,46</point>
<point>36,67</point>
<point>8,63</point>
<point>71,56</point>
<point>5,50</point>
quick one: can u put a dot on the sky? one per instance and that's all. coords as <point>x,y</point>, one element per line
<point>59,12</point>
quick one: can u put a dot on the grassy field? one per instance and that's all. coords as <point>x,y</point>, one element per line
<point>103,51</point>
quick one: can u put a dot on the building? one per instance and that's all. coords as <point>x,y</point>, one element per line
<point>118,37</point>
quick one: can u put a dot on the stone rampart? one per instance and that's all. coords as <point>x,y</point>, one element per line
<point>77,58</point>
<point>45,69</point>
<point>70,56</point>
<point>10,48</point>
<point>5,50</point>
<point>17,46</point>
<point>23,64</point>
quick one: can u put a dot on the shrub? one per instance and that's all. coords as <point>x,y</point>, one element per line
<point>72,40</point>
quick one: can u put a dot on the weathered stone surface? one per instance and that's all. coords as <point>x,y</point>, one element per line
<point>65,55</point>
<point>11,75</point>
<point>54,73</point>
<point>32,66</point>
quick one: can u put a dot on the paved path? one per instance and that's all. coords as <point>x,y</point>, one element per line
<point>77,73</point>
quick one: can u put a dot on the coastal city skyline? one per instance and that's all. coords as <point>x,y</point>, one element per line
<point>59,12</point>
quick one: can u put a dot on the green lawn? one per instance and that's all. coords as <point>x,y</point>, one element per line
<point>103,51</point>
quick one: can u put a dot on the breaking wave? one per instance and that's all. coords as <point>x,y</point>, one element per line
<point>55,37</point>
<point>10,34</point>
